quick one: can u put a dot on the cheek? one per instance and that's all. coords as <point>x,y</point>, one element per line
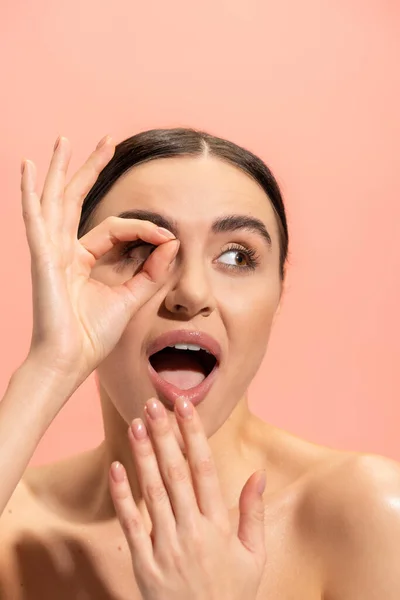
<point>248,317</point>
<point>250,304</point>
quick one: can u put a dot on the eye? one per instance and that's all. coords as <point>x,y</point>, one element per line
<point>236,257</point>
<point>240,258</point>
<point>135,253</point>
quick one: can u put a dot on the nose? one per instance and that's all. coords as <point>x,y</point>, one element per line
<point>192,294</point>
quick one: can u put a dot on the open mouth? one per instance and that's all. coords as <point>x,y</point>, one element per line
<point>185,366</point>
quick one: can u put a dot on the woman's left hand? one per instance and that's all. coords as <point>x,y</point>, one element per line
<point>191,551</point>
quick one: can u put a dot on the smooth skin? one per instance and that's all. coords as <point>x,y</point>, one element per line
<point>192,550</point>
<point>178,513</point>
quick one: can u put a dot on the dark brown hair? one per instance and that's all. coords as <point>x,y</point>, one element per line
<point>164,143</point>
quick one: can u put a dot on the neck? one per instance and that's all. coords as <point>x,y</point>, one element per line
<point>235,448</point>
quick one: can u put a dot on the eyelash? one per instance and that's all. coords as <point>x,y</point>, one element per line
<point>251,254</point>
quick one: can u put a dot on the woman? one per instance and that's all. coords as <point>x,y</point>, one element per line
<point>175,321</point>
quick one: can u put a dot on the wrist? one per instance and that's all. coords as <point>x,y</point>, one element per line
<point>43,384</point>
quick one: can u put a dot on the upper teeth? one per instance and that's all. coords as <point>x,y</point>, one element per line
<point>188,347</point>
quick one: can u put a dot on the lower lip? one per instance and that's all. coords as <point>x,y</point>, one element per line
<point>169,393</point>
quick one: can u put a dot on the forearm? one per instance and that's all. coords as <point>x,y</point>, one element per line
<point>34,396</point>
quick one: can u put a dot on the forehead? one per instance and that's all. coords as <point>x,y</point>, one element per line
<point>192,190</point>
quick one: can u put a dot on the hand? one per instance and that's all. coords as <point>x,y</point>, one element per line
<point>77,320</point>
<point>191,551</point>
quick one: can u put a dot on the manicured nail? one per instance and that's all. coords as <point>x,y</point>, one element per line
<point>184,408</point>
<point>175,252</point>
<point>138,429</point>
<point>165,233</point>
<point>117,472</point>
<point>103,141</point>
<point>57,143</point>
<point>155,409</point>
<point>261,483</point>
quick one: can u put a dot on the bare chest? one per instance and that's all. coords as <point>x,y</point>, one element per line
<point>89,565</point>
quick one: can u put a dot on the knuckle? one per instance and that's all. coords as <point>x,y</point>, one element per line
<point>148,224</point>
<point>178,473</point>
<point>90,172</point>
<point>27,215</point>
<point>193,542</point>
<point>195,537</point>
<point>111,221</point>
<point>205,467</point>
<point>131,524</point>
<point>176,558</point>
<point>144,274</point>
<point>156,493</point>
<point>258,514</point>
<point>95,165</point>
<point>122,493</point>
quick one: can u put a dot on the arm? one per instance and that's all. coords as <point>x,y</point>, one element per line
<point>77,320</point>
<point>34,396</point>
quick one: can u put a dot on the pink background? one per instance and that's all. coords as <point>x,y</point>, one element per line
<point>314,88</point>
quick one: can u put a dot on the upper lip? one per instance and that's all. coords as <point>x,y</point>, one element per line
<point>184,336</point>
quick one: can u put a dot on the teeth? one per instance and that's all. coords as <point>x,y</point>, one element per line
<point>188,347</point>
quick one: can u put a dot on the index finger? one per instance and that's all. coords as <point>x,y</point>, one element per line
<point>114,230</point>
<point>83,181</point>
<point>204,473</point>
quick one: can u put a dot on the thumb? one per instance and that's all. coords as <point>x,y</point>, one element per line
<point>251,507</point>
<point>146,282</point>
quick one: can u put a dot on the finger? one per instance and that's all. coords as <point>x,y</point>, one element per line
<point>143,285</point>
<point>129,515</point>
<point>113,230</point>
<point>31,211</point>
<point>251,528</point>
<point>83,181</point>
<point>53,189</point>
<point>151,483</point>
<point>204,473</point>
<point>172,464</point>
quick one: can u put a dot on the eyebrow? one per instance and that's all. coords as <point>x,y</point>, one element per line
<point>223,224</point>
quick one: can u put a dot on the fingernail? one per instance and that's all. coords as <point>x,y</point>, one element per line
<point>165,233</point>
<point>103,141</point>
<point>175,252</point>
<point>184,408</point>
<point>138,429</point>
<point>57,143</point>
<point>155,409</point>
<point>261,483</point>
<point>117,472</point>
<point>23,163</point>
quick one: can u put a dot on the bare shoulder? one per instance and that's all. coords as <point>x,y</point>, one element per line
<point>350,510</point>
<point>296,461</point>
<point>329,479</point>
<point>348,486</point>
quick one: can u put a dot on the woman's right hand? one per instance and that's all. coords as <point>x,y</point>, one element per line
<point>77,320</point>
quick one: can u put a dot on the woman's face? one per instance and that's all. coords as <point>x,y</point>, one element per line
<point>225,282</point>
